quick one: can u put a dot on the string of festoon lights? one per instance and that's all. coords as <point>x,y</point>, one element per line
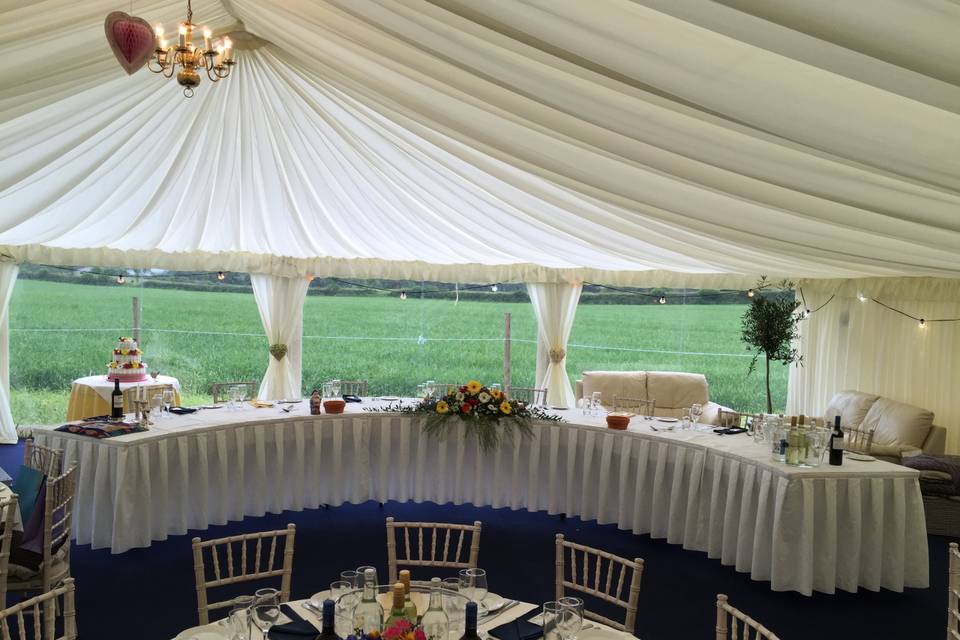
<point>403,293</point>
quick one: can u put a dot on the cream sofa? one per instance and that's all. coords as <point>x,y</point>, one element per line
<point>899,429</point>
<point>672,391</point>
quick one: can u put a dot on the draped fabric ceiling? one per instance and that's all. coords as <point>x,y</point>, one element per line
<point>633,142</point>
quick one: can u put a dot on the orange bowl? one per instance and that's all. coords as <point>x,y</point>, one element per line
<point>618,422</point>
<point>334,406</point>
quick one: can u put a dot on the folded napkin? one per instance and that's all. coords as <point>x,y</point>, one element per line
<point>350,398</point>
<point>181,410</point>
<point>259,404</point>
<point>517,630</point>
<point>98,429</point>
<point>297,629</point>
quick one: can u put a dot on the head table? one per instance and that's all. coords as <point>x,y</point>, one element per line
<point>857,525</point>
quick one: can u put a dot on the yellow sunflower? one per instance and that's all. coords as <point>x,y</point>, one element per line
<point>442,407</point>
<point>505,408</point>
<point>496,393</point>
<point>473,387</point>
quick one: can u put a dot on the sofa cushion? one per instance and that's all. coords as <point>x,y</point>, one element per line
<point>897,423</point>
<point>851,406</point>
<point>676,390</point>
<point>626,384</point>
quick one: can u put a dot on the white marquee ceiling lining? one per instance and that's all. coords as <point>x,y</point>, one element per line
<point>635,143</point>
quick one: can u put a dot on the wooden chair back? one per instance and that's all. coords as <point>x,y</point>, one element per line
<point>600,575</point>
<point>354,388</point>
<point>643,408</point>
<point>43,611</point>
<point>439,539</point>
<point>219,390</point>
<point>857,440</point>
<point>58,506</point>
<point>242,564</point>
<point>728,418</point>
<point>733,624</point>
<point>9,507</point>
<point>953,593</point>
<point>529,395</point>
<point>46,460</point>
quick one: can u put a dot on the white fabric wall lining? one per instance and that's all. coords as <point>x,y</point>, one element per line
<point>850,344</point>
<point>555,306</point>
<point>280,302</point>
<point>8,278</point>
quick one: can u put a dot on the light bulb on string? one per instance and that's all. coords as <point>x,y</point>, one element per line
<point>662,300</point>
<point>923,323</point>
<point>861,297</point>
<point>220,275</point>
<point>120,279</point>
<point>403,295</point>
<point>494,288</point>
<point>750,293</point>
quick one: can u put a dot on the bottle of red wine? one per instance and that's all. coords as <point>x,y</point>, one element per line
<point>836,443</point>
<point>116,401</point>
<point>470,633</point>
<point>327,632</point>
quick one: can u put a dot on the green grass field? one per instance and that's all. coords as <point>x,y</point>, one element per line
<point>63,331</point>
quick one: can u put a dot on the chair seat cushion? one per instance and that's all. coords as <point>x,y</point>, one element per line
<point>897,423</point>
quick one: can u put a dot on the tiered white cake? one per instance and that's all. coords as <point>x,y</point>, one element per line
<point>127,365</point>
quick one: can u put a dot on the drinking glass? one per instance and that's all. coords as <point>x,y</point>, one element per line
<point>685,420</point>
<point>341,592</point>
<point>430,388</point>
<point>571,617</point>
<point>355,578</point>
<point>241,394</point>
<point>422,390</point>
<point>156,405</point>
<point>239,623</point>
<point>363,570</point>
<point>596,399</point>
<point>452,604</point>
<point>696,410</point>
<point>335,388</point>
<point>267,596</point>
<point>550,620</point>
<point>168,400</point>
<point>327,390</point>
<point>473,584</point>
<point>265,616</point>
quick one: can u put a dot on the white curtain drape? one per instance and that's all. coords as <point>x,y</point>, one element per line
<point>854,344</point>
<point>280,301</point>
<point>555,306</point>
<point>8,278</point>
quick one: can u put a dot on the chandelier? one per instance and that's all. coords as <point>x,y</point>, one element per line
<point>188,58</point>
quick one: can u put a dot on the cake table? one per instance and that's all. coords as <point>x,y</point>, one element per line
<point>90,396</point>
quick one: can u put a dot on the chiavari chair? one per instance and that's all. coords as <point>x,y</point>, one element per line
<point>436,544</point>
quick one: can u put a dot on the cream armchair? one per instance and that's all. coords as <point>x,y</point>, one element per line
<point>899,429</point>
<point>672,391</point>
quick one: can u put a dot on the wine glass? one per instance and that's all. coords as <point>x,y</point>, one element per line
<point>696,410</point>
<point>168,400</point>
<point>268,595</point>
<point>239,623</point>
<point>550,619</point>
<point>571,618</point>
<point>473,584</point>
<point>155,373</point>
<point>265,616</point>
<point>335,388</point>
<point>596,400</point>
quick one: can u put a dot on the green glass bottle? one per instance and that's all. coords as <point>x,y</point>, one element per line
<point>397,611</point>
<point>408,606</point>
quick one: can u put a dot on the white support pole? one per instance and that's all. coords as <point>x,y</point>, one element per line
<point>136,319</point>
<point>506,353</point>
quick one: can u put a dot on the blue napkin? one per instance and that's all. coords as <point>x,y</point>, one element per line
<point>517,630</point>
<point>27,487</point>
<point>297,629</point>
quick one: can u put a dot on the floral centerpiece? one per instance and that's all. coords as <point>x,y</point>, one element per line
<point>400,630</point>
<point>487,413</point>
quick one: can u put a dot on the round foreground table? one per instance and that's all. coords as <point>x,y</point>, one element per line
<point>90,396</point>
<point>516,609</point>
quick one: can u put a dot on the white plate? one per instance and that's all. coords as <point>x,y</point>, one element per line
<point>492,602</point>
<point>602,634</point>
<point>318,598</point>
<point>861,457</point>
<point>206,632</point>
<point>664,420</point>
<point>390,398</point>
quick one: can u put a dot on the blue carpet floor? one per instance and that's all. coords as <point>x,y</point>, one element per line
<point>153,589</point>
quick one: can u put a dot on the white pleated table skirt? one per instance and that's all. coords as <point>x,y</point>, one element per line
<point>819,530</point>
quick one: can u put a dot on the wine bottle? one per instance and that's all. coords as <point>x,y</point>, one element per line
<point>408,606</point>
<point>470,632</point>
<point>368,615</point>
<point>435,622</point>
<point>397,611</point>
<point>836,443</point>
<point>116,401</point>
<point>328,631</point>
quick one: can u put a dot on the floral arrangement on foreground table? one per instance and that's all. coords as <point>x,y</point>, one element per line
<point>487,413</point>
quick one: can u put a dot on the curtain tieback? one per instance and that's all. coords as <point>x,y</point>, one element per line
<point>278,350</point>
<point>557,355</point>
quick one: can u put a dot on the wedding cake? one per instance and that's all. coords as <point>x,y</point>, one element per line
<point>127,365</point>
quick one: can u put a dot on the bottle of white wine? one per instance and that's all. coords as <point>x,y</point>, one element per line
<point>408,606</point>
<point>397,611</point>
<point>368,615</point>
<point>435,621</point>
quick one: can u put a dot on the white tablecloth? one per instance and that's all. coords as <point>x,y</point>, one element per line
<point>858,525</point>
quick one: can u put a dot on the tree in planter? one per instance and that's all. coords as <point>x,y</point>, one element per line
<point>769,328</point>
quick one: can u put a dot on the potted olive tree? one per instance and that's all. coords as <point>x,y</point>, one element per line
<point>769,328</point>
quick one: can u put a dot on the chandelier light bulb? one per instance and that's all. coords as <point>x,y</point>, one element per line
<point>923,323</point>
<point>188,59</point>
<point>206,38</point>
<point>861,297</point>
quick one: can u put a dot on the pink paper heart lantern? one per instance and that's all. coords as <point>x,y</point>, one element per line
<point>131,40</point>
